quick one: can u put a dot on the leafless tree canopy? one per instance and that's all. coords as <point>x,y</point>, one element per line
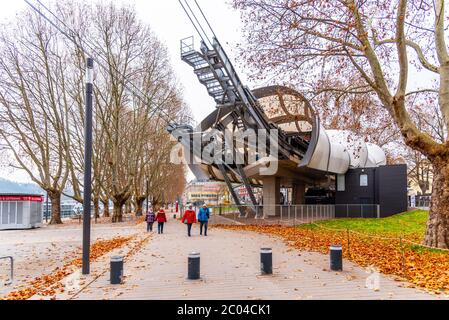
<point>369,48</point>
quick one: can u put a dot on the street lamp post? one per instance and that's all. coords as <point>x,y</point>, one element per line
<point>148,195</point>
<point>87,166</point>
<point>46,210</point>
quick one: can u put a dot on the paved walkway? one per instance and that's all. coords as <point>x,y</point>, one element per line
<point>230,270</point>
<point>41,250</point>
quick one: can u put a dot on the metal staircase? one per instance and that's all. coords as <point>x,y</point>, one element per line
<point>238,122</point>
<point>216,72</point>
<point>210,69</point>
<point>210,72</point>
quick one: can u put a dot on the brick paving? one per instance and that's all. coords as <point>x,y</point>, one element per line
<point>41,250</point>
<point>230,270</point>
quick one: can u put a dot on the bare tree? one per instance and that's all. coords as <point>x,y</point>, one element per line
<point>357,111</point>
<point>419,170</point>
<point>42,90</point>
<point>130,53</point>
<point>167,188</point>
<point>34,103</point>
<point>154,157</point>
<point>379,40</point>
<point>222,191</point>
<point>427,117</point>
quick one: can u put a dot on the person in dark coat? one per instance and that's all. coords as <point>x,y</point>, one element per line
<point>203,218</point>
<point>189,218</point>
<point>161,219</point>
<point>150,217</point>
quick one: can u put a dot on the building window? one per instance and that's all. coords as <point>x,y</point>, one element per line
<point>364,180</point>
<point>341,182</point>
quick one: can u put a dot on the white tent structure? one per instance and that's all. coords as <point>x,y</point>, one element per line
<point>337,151</point>
<point>274,128</point>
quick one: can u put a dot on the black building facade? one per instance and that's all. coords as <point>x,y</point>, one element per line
<point>359,191</point>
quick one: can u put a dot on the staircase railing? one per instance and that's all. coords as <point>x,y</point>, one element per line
<point>187,45</point>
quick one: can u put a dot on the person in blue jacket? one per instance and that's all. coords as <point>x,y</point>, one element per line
<point>203,218</point>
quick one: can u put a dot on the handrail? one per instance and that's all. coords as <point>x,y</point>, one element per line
<point>11,259</point>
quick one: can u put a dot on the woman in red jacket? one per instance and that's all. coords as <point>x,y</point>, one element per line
<point>189,218</point>
<point>161,218</point>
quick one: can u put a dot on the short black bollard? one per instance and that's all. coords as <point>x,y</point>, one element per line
<point>266,261</point>
<point>336,259</point>
<point>116,270</point>
<point>193,272</point>
<point>174,216</point>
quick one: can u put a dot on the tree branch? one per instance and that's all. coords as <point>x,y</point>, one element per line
<point>424,62</point>
<point>402,50</point>
<point>440,43</point>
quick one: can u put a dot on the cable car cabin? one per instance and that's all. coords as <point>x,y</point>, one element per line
<point>20,211</point>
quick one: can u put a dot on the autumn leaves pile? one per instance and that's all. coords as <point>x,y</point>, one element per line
<point>425,268</point>
<point>49,284</point>
<point>403,258</point>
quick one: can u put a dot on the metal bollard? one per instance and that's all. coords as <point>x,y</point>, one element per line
<point>266,261</point>
<point>193,272</point>
<point>116,270</point>
<point>336,259</point>
<point>174,216</point>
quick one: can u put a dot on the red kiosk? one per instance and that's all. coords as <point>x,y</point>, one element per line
<point>20,211</point>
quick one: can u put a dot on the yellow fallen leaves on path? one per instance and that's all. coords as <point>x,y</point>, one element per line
<point>425,268</point>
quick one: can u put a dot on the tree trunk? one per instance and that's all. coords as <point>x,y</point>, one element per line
<point>106,213</point>
<point>156,205</point>
<point>437,232</point>
<point>139,206</point>
<point>96,208</point>
<point>128,207</point>
<point>117,215</point>
<point>423,187</point>
<point>55,198</point>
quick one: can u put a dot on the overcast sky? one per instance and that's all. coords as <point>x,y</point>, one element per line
<point>171,24</point>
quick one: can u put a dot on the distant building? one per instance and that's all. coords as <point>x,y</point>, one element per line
<point>243,193</point>
<point>211,193</point>
<point>69,208</point>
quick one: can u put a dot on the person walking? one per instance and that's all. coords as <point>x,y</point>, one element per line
<point>150,217</point>
<point>161,219</point>
<point>203,218</point>
<point>189,218</point>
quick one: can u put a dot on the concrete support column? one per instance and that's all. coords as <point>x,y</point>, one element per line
<point>271,196</point>
<point>299,192</point>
